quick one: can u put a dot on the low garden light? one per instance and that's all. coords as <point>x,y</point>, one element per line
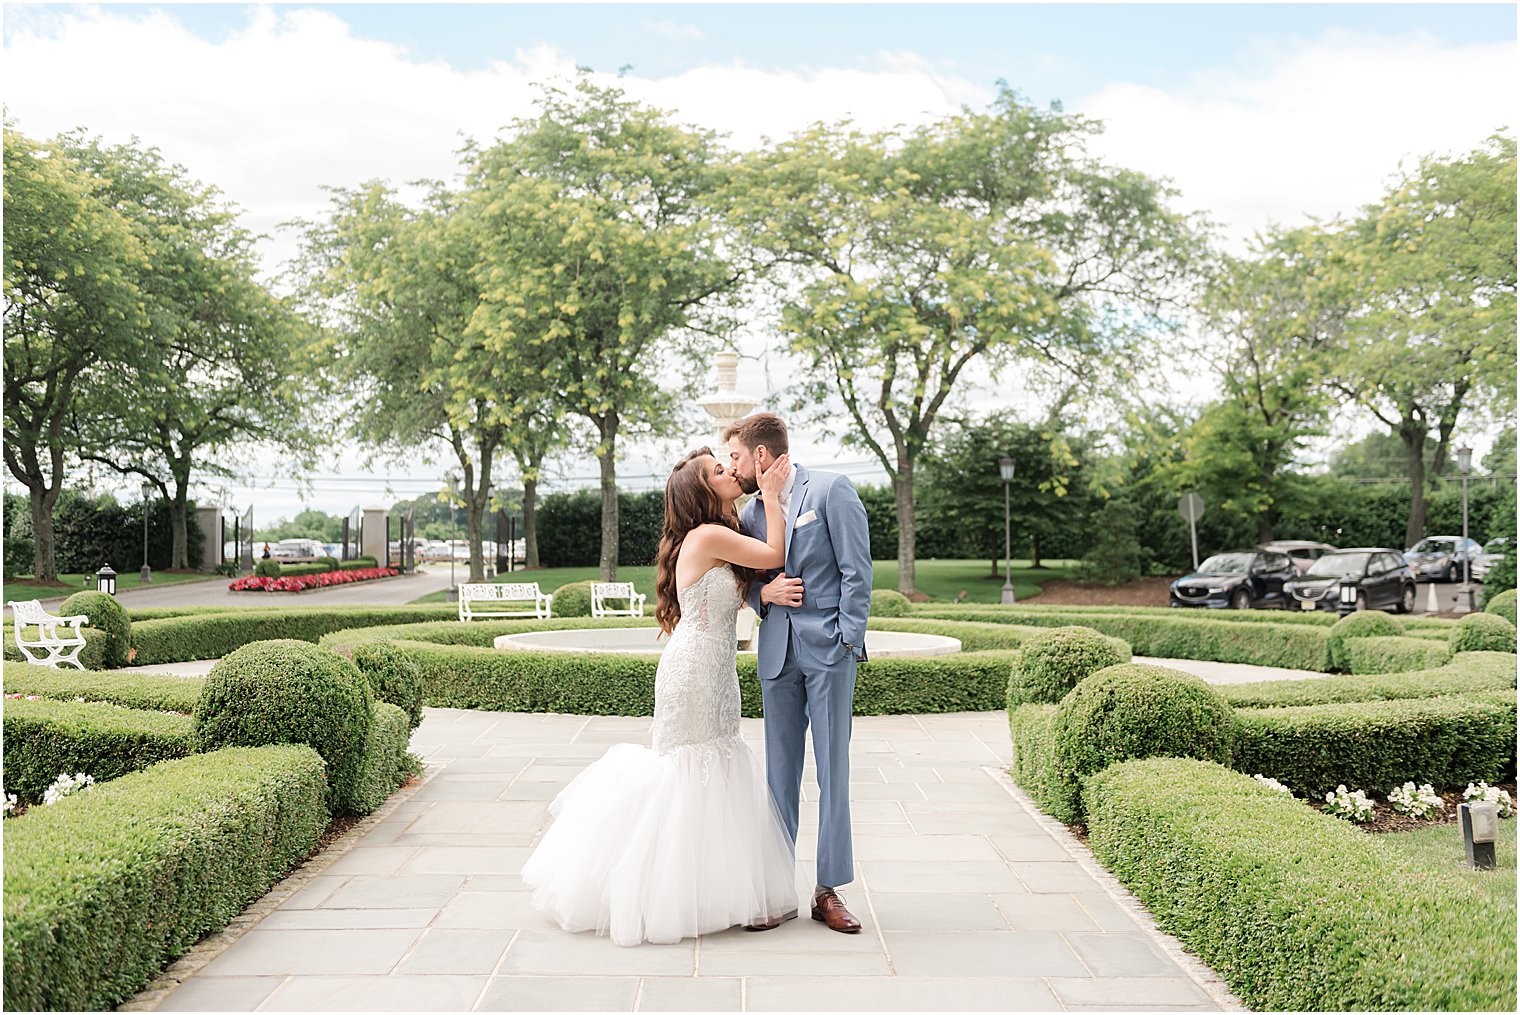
<point>1005,467</point>
<point>105,580</point>
<point>146,574</point>
<point>1348,598</point>
<point>1480,827</point>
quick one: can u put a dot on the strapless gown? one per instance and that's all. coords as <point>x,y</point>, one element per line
<point>682,838</point>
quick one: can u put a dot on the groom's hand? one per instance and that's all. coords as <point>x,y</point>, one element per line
<point>782,591</point>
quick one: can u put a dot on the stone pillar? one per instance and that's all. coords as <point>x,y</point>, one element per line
<point>209,518</point>
<point>727,403</point>
<point>374,543</point>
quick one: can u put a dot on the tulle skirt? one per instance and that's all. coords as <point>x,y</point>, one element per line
<point>660,847</point>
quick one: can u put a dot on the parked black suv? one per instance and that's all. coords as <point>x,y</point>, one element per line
<point>1236,581</point>
<point>1380,578</point>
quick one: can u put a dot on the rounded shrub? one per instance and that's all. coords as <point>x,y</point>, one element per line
<point>1136,710</point>
<point>888,603</point>
<point>109,618</point>
<point>1483,632</point>
<point>1502,604</point>
<point>288,692</point>
<point>266,568</point>
<point>331,563</point>
<point>1052,662</point>
<point>393,677</point>
<point>1361,624</point>
<point>572,600</point>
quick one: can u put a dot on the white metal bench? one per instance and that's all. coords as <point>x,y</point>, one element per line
<point>50,648</point>
<point>499,595</point>
<point>603,591</point>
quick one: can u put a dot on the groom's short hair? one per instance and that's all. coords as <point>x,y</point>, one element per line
<point>765,428</point>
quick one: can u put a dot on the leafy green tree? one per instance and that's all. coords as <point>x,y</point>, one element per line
<point>1433,336</point>
<point>913,258</point>
<point>307,524</point>
<point>1378,456</point>
<point>961,487</point>
<point>1277,337</point>
<point>72,303</point>
<point>214,365</point>
<point>608,256</point>
<point>1500,460</point>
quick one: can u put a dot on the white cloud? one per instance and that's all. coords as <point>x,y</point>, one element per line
<point>680,30</point>
<point>1313,130</point>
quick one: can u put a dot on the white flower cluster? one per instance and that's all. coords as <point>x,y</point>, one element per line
<point>1416,801</point>
<point>10,803</point>
<point>1272,784</point>
<point>66,784</point>
<point>1493,795</point>
<point>1353,806</point>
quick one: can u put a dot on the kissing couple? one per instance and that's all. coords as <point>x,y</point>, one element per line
<point>686,837</point>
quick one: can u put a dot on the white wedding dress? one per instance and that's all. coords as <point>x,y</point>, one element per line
<point>682,839</point>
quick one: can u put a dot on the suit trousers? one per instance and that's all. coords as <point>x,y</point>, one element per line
<point>793,700</point>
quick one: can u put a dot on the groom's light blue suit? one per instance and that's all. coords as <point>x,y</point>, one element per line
<point>808,655</point>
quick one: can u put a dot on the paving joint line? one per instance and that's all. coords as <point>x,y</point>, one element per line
<point>1191,965</point>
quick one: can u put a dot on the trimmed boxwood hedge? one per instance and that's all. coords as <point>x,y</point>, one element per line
<point>211,635</point>
<point>1483,632</point>
<point>106,616</point>
<point>1392,654</point>
<point>392,677</point>
<point>1361,624</point>
<point>889,603</point>
<point>1377,745</point>
<point>1297,910</point>
<point>572,600</point>
<point>1293,645</point>
<point>46,737</point>
<point>1502,604</point>
<point>104,888</point>
<point>1466,673</point>
<point>93,655</point>
<point>280,692</point>
<point>1032,730</point>
<point>153,691</point>
<point>385,762</point>
<point>1053,661</point>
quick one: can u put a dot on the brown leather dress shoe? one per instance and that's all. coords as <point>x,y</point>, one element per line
<point>828,908</point>
<point>771,923</point>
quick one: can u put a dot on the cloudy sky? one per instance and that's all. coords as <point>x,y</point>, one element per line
<point>1259,114</point>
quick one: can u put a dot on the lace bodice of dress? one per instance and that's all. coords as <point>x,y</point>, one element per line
<point>696,688</point>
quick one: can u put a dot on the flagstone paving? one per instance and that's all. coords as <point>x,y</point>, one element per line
<point>971,899</point>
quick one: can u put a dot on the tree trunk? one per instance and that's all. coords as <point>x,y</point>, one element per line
<point>530,523</point>
<point>179,528</point>
<point>1412,434</point>
<point>44,561</point>
<point>607,455</point>
<point>1034,542</point>
<point>907,534</point>
<point>475,512</point>
<point>1264,527</point>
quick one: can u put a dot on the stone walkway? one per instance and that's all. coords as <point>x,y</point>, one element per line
<point>971,899</point>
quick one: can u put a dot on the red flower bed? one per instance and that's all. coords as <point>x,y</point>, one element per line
<point>301,582</point>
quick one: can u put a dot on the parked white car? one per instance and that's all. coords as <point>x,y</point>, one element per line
<point>1493,552</point>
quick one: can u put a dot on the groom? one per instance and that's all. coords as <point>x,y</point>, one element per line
<point>813,633</point>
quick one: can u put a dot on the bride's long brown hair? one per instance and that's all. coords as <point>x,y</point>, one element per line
<point>690,501</point>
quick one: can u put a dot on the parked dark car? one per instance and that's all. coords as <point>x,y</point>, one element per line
<point>1236,581</point>
<point>1380,577</point>
<point>1440,558</point>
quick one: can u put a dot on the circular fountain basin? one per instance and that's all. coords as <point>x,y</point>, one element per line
<point>879,644</point>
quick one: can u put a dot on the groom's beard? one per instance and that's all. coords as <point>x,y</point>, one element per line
<point>748,484</point>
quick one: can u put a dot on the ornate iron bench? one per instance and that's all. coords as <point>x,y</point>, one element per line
<point>603,591</point>
<point>50,648</point>
<point>498,596</point>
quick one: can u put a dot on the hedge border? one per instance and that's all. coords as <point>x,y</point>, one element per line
<point>150,691</point>
<point>105,888</point>
<point>48,737</point>
<point>1297,910</point>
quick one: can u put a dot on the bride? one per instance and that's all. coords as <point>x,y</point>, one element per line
<point>682,839</point>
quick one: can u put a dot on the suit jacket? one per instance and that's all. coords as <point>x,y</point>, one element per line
<point>828,546</point>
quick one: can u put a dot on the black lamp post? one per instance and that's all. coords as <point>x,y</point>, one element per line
<point>146,574</point>
<point>1464,466</point>
<point>1005,466</point>
<point>105,580</point>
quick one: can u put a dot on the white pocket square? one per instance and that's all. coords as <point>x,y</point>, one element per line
<point>804,519</point>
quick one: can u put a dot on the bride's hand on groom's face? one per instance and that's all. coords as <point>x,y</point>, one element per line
<point>774,477</point>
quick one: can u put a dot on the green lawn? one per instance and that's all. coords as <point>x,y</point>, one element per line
<point>19,588</point>
<point>1441,846</point>
<point>941,579</point>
